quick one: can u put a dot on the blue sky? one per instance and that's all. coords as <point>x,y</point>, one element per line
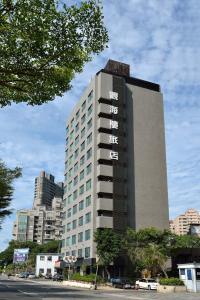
<point>161,42</point>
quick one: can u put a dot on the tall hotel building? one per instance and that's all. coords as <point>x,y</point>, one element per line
<point>115,168</point>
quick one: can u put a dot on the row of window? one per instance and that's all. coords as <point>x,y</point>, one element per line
<point>80,205</point>
<point>74,239</point>
<point>83,106</point>
<point>80,220</point>
<point>80,252</point>
<point>84,187</point>
<point>82,134</point>
<point>83,172</point>
<point>82,159</point>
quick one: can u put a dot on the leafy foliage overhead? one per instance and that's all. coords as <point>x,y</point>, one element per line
<point>108,245</point>
<point>7,177</point>
<point>43,43</point>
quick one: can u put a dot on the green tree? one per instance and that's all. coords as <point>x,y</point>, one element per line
<point>7,177</point>
<point>108,246</point>
<point>43,43</point>
<point>148,248</point>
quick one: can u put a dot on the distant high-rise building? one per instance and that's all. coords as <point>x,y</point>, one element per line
<point>43,222</point>
<point>181,224</point>
<point>115,168</point>
<point>39,225</point>
<point>46,189</point>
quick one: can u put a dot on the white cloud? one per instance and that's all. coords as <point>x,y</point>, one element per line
<point>161,42</point>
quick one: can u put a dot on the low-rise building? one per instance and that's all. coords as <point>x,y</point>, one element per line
<point>46,263</point>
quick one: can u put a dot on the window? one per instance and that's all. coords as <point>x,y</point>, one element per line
<point>68,241</point>
<point>83,146</point>
<point>90,96</point>
<point>81,189</point>
<point>87,235</point>
<point>68,227</point>
<point>64,215</point>
<point>88,218</point>
<point>75,194</point>
<point>83,119</point>
<point>80,237</point>
<point>64,202</point>
<point>88,201</point>
<point>89,169</point>
<point>63,243</point>
<point>75,180</point>
<point>72,122</point>
<point>83,105</point>
<point>89,138</point>
<point>87,252</point>
<point>69,212</point>
<point>80,221</point>
<point>67,141</point>
<point>41,271</point>
<point>89,124</point>
<point>66,177</point>
<point>82,160</point>
<point>82,175</point>
<point>78,113</point>
<point>71,147</point>
<point>69,199</point>
<point>42,258</point>
<point>90,110</point>
<point>88,184</point>
<point>74,224</point>
<point>89,153</point>
<point>81,205</point>
<point>71,135</point>
<point>69,186</point>
<point>83,132</point>
<point>76,140</point>
<point>75,167</point>
<point>80,253</point>
<point>70,159</point>
<point>67,253</point>
<point>74,209</point>
<point>76,154</point>
<point>73,252</point>
<point>77,127</point>
<point>67,130</point>
<point>70,172</point>
<point>73,239</point>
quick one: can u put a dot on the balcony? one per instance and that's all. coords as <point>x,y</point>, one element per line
<point>103,123</point>
<point>104,204</point>
<point>104,108</point>
<point>104,222</point>
<point>103,154</point>
<point>103,170</point>
<point>105,187</point>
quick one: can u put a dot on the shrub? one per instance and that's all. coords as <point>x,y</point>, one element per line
<point>86,278</point>
<point>171,281</point>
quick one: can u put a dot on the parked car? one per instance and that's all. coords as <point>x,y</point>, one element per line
<point>57,277</point>
<point>31,275</point>
<point>48,276</point>
<point>146,283</point>
<point>122,283</point>
<point>24,275</point>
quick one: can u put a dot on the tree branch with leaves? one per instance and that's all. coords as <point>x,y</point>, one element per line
<point>43,43</point>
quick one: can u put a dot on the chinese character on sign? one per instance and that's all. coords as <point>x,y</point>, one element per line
<point>113,155</point>
<point>114,110</point>
<point>113,124</point>
<point>113,139</point>
<point>113,95</point>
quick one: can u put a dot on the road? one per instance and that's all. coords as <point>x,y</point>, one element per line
<point>14,289</point>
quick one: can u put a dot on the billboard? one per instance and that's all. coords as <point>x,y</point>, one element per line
<point>20,255</point>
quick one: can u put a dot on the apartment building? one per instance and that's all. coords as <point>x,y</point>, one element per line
<point>46,189</point>
<point>115,167</point>
<point>43,222</point>
<point>39,225</point>
<point>181,225</point>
